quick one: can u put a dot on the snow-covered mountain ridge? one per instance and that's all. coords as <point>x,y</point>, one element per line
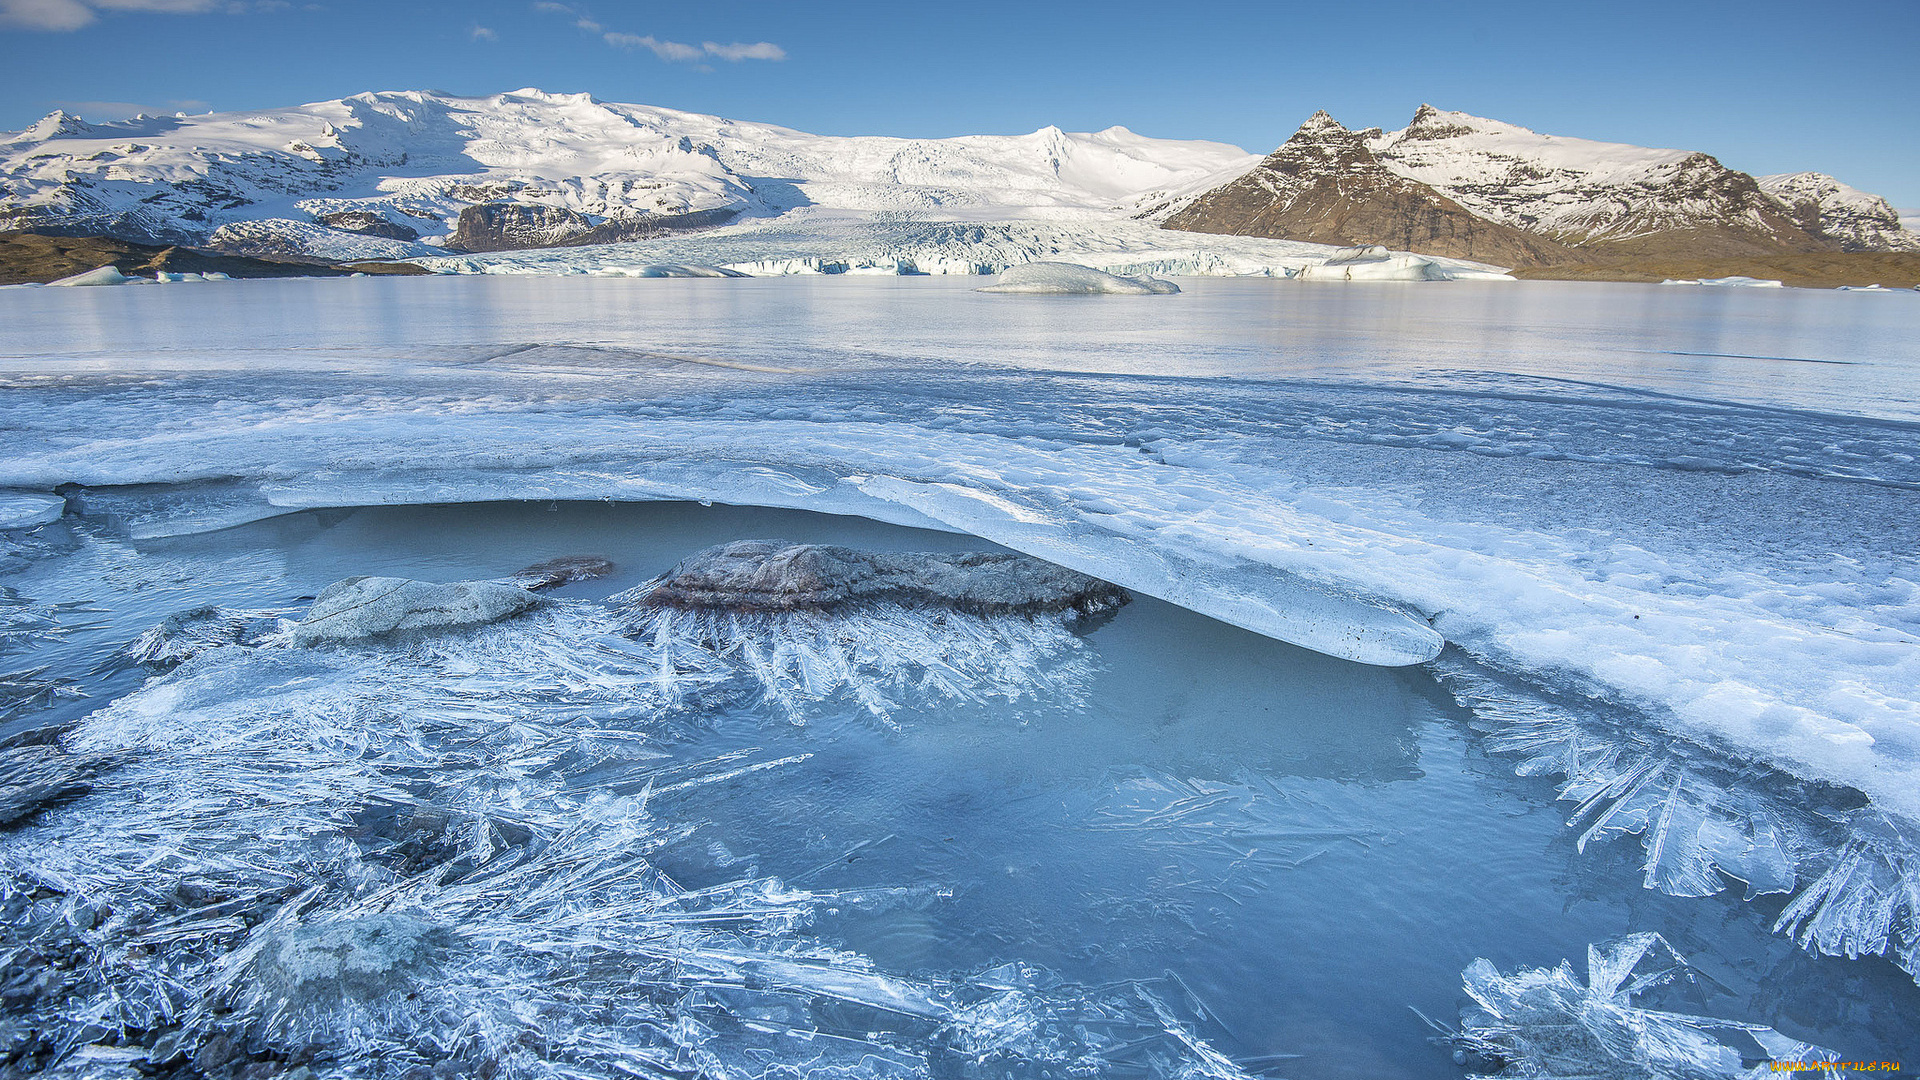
<point>1450,183</point>
<point>402,167</point>
<point>416,175</point>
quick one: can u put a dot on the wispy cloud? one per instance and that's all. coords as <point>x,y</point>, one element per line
<point>676,51</point>
<point>737,51</point>
<point>665,50</point>
<point>65,15</point>
<point>482,33</point>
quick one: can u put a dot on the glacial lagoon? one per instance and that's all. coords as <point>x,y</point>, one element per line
<point>1661,540</point>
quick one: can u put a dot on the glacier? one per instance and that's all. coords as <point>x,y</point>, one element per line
<point>388,176</point>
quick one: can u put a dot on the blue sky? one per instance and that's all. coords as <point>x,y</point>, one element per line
<point>1764,86</point>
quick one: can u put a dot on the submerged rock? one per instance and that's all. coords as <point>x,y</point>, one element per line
<point>362,959</point>
<point>564,570</point>
<point>778,575</point>
<point>184,634</point>
<point>38,775</point>
<point>360,608</point>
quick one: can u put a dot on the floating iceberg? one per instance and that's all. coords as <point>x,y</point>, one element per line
<point>1375,263</point>
<point>1072,279</point>
<point>101,275</point>
<point>1735,282</point>
<point>679,270</point>
<point>165,276</point>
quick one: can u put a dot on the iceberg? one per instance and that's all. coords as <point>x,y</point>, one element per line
<point>1372,263</point>
<point>1071,279</point>
<point>1735,282</point>
<point>101,275</point>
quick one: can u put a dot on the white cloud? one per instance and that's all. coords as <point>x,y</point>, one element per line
<point>737,51</point>
<point>681,51</point>
<point>665,50</point>
<point>63,15</point>
<point>677,51</point>
<point>45,14</point>
<point>482,33</point>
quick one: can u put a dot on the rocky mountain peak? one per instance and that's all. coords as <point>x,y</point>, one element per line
<point>55,124</point>
<point>1321,124</point>
<point>1321,141</point>
<point>1429,123</point>
<point>1326,186</point>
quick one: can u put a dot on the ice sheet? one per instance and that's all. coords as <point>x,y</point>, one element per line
<point>1737,575</point>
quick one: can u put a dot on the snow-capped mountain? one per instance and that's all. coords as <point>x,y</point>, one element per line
<point>1326,184</point>
<point>1861,222</point>
<point>1586,195</point>
<point>413,175</point>
<point>407,173</point>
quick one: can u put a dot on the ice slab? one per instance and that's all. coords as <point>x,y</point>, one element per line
<point>21,510</point>
<point>1070,279</point>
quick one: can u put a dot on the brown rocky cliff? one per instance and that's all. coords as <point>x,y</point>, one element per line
<point>1324,186</point>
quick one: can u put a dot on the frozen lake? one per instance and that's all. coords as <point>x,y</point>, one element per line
<point>1426,575</point>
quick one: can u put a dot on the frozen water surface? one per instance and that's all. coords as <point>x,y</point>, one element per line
<point>1600,599</point>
